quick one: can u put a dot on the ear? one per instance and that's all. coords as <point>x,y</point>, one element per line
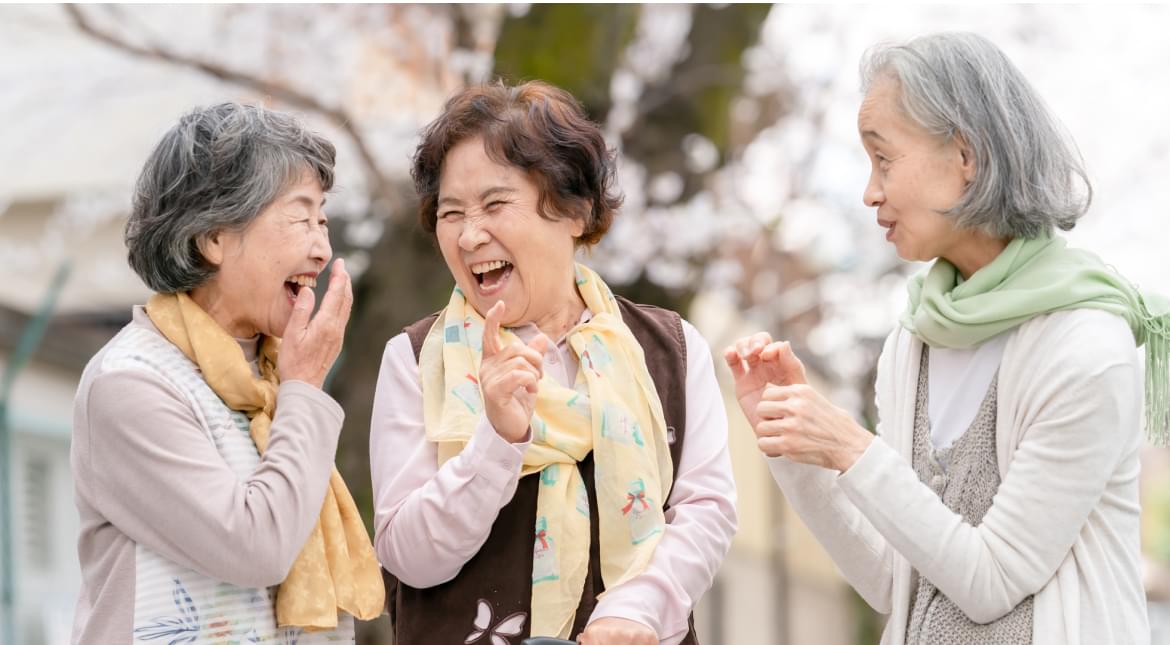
<point>577,224</point>
<point>211,246</point>
<point>966,159</point>
<point>578,227</point>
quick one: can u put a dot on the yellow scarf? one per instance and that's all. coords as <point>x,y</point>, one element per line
<point>336,569</point>
<point>613,410</point>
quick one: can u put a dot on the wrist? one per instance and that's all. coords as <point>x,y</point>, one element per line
<point>523,437</point>
<point>507,432</point>
<point>852,449</point>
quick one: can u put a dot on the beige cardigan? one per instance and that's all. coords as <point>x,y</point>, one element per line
<point>1064,524</point>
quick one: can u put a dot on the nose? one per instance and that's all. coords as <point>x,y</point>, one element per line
<point>473,235</point>
<point>874,195</point>
<point>320,250</point>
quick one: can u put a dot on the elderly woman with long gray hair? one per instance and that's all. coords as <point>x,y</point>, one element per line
<point>203,445</point>
<point>998,502</point>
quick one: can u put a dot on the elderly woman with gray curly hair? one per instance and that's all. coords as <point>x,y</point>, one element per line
<point>998,502</point>
<point>203,445</point>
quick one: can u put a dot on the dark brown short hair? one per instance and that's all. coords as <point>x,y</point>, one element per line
<point>538,128</point>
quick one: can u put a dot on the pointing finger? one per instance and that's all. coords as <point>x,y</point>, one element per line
<point>491,329</point>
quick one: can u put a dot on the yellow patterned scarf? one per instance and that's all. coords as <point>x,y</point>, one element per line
<point>336,569</point>
<point>613,410</point>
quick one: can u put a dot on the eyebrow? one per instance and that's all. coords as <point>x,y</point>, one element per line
<point>872,134</point>
<point>482,196</point>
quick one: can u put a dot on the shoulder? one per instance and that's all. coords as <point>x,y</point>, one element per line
<point>1080,340</point>
<point>649,322</point>
<point>416,332</point>
<point>654,313</point>
<point>399,351</point>
<point>137,352</point>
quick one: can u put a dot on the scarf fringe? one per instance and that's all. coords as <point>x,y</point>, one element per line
<point>1157,332</point>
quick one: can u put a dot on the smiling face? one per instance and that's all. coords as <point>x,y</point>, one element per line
<point>262,268</point>
<point>914,178</point>
<point>496,244</point>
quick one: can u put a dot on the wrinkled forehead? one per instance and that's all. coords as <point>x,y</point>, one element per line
<point>876,105</point>
<point>881,114</point>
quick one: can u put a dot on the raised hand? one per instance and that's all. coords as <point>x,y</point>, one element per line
<point>756,361</point>
<point>311,344</point>
<point>509,377</point>
<point>796,422</point>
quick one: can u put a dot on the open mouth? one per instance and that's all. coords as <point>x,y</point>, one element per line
<point>491,276</point>
<point>293,285</point>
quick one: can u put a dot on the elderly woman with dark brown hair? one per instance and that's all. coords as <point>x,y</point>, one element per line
<point>548,459</point>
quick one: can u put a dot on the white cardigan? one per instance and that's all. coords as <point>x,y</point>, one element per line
<point>1064,524</point>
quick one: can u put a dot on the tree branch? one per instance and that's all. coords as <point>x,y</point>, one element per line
<point>379,185</point>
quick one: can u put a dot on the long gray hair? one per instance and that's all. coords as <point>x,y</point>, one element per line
<point>960,85</point>
<point>216,170</point>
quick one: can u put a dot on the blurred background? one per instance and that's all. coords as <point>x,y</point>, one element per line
<point>736,126</point>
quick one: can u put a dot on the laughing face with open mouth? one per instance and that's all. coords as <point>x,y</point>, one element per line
<point>497,245</point>
<point>264,266</point>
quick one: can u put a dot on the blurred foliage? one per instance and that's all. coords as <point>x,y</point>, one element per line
<point>696,97</point>
<point>576,47</point>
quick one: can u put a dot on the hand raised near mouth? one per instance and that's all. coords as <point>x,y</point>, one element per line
<point>311,344</point>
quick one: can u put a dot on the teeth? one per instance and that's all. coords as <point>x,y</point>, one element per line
<point>304,281</point>
<point>484,267</point>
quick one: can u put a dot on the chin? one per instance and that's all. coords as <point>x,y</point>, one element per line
<point>280,323</point>
<point>912,255</point>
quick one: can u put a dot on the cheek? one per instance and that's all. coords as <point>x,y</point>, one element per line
<point>448,248</point>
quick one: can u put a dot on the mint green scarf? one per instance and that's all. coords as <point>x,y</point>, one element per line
<point>1034,277</point>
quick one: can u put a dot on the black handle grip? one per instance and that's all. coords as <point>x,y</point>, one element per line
<point>542,640</point>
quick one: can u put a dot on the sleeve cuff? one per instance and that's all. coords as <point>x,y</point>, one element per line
<point>614,610</point>
<point>631,601</point>
<point>866,473</point>
<point>492,456</point>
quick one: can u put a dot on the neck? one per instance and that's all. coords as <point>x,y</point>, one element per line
<point>561,319</point>
<point>209,299</point>
<point>976,251</point>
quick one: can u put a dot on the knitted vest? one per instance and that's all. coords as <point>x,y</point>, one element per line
<point>499,576</point>
<point>173,604</point>
<point>966,477</point>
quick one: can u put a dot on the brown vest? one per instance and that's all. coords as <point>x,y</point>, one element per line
<point>500,574</point>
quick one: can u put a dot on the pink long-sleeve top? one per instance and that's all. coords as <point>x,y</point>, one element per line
<point>429,521</point>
